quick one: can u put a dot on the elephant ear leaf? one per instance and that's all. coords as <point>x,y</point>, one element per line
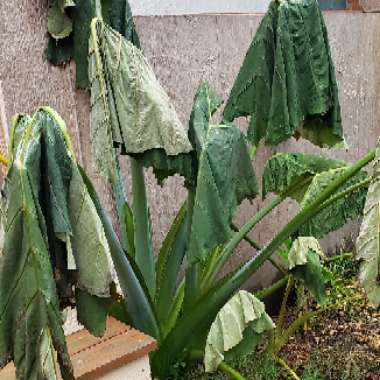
<point>368,242</point>
<point>51,229</point>
<point>338,213</point>
<point>292,173</point>
<point>243,315</point>
<point>225,176</point>
<point>121,20</point>
<point>305,264</point>
<point>130,108</point>
<point>29,305</point>
<point>283,85</point>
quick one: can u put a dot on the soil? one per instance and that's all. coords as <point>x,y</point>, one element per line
<point>340,344</point>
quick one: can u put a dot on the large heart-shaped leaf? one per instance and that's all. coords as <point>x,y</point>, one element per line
<point>287,82</point>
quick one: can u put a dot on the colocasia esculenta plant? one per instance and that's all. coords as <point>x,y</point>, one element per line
<point>286,87</point>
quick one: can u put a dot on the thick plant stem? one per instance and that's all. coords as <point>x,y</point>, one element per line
<point>143,239</point>
<point>261,294</point>
<point>204,311</point>
<point>238,237</point>
<point>281,316</point>
<point>338,257</point>
<point>250,241</point>
<point>347,191</point>
<point>284,365</point>
<point>223,366</point>
<point>256,246</point>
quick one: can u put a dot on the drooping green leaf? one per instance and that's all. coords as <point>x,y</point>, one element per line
<point>89,243</point>
<point>243,311</point>
<point>297,255</point>
<point>292,173</point>
<point>69,28</point>
<point>287,82</point>
<point>225,175</point>
<point>339,212</point>
<point>368,242</point>
<point>60,25</point>
<point>129,106</point>
<point>84,12</point>
<point>74,216</point>
<point>122,21</point>
<point>165,166</point>
<point>19,122</point>
<point>305,265</point>
<point>92,311</point>
<point>52,229</point>
<point>30,320</point>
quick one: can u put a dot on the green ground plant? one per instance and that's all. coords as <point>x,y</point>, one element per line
<point>132,115</point>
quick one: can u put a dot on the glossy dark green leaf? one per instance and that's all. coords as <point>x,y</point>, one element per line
<point>287,82</point>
